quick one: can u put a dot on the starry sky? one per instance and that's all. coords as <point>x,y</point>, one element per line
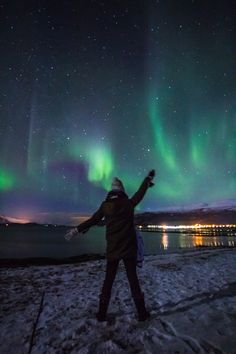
<point>95,89</point>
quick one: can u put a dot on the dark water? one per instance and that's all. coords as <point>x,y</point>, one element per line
<point>22,242</point>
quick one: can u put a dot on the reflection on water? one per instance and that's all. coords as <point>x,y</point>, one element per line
<point>20,242</point>
<point>193,241</point>
<point>159,242</point>
<point>165,240</point>
<point>212,241</point>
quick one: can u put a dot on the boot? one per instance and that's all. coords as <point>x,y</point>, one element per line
<point>102,311</point>
<point>143,314</point>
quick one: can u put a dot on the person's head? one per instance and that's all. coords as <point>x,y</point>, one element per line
<point>117,185</point>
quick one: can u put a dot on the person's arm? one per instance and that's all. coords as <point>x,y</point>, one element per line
<point>84,226</point>
<point>95,218</point>
<point>147,182</point>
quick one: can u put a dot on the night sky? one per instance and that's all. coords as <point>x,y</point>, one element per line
<point>95,89</point>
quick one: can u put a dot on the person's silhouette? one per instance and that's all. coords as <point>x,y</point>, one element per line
<point>118,211</point>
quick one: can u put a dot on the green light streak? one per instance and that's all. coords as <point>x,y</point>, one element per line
<point>173,183</point>
<point>201,143</point>
<point>99,161</point>
<point>6,181</point>
<point>100,166</point>
<point>162,143</point>
<point>198,152</point>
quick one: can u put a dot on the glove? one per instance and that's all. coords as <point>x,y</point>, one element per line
<point>71,233</point>
<point>151,175</point>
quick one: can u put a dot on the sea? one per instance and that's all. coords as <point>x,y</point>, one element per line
<point>17,241</point>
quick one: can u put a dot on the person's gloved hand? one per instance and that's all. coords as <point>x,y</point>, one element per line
<point>71,233</point>
<point>151,175</point>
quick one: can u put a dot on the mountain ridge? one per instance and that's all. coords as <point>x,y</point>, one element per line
<point>223,212</point>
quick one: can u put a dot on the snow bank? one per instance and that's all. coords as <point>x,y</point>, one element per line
<point>191,296</point>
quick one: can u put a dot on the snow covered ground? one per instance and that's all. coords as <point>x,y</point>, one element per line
<point>191,296</point>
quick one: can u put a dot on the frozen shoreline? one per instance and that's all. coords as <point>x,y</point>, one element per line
<point>191,296</point>
<point>87,257</point>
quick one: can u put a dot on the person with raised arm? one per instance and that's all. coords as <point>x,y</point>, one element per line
<point>118,211</point>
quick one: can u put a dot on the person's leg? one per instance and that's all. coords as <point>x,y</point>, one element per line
<point>111,270</point>
<point>130,266</point>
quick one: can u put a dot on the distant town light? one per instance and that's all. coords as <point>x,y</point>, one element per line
<point>181,227</point>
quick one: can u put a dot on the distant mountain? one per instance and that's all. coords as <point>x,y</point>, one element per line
<point>218,213</point>
<point>222,212</point>
<point>4,220</point>
<point>228,204</point>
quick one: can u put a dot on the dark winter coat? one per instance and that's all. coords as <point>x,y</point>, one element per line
<point>118,211</point>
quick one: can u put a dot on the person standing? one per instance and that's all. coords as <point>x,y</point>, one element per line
<point>118,211</point>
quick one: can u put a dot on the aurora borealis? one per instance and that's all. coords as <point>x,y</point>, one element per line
<point>96,89</point>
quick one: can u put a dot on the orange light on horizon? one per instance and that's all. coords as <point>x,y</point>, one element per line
<point>18,220</point>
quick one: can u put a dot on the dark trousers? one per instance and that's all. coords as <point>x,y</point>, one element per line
<point>111,270</point>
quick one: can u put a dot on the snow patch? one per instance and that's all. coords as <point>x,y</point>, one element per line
<point>191,296</point>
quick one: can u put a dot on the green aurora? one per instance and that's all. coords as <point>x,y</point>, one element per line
<point>157,92</point>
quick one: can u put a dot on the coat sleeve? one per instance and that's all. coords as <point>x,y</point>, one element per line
<point>138,196</point>
<point>95,218</point>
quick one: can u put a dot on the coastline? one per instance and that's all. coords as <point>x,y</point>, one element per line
<point>87,257</point>
<point>44,261</point>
